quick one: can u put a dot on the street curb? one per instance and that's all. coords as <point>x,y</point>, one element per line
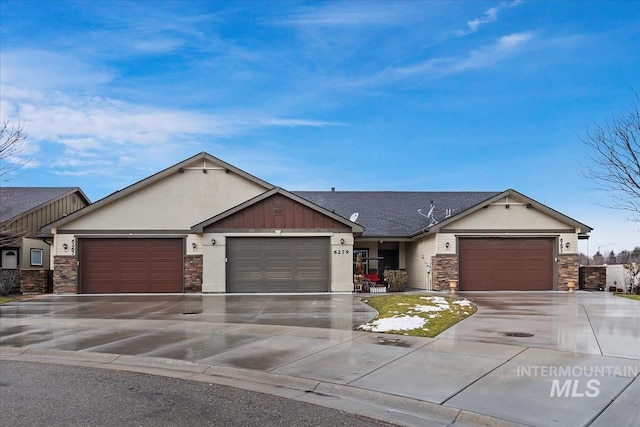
<point>377,405</point>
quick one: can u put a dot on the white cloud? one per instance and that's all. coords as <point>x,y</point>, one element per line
<point>96,133</point>
<point>440,67</point>
<point>159,45</point>
<point>347,14</point>
<point>489,15</point>
<point>29,70</point>
<point>146,30</point>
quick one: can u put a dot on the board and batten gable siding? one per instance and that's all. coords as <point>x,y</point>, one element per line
<point>418,257</point>
<point>277,217</point>
<point>174,203</point>
<point>277,212</point>
<point>29,224</point>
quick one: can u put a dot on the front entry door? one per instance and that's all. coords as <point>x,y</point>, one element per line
<point>9,258</point>
<point>390,260</point>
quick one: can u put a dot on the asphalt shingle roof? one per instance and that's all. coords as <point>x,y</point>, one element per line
<point>15,201</point>
<point>395,214</point>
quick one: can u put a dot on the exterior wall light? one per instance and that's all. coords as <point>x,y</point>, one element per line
<point>213,241</point>
<point>65,246</point>
<point>194,246</point>
<point>567,245</point>
<point>446,245</point>
<point>342,241</point>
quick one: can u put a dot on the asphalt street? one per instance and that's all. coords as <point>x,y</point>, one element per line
<point>37,394</point>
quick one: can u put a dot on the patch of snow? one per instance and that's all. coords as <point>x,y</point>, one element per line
<point>396,323</point>
<point>463,303</point>
<point>428,308</point>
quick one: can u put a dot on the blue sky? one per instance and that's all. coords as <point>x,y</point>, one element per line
<point>426,96</point>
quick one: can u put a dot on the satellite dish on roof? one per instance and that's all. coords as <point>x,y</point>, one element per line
<point>430,214</point>
<point>432,220</point>
<point>354,217</point>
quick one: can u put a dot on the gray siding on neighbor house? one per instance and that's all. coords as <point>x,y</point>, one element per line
<point>28,225</point>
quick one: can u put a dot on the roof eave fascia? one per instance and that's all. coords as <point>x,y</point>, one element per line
<point>233,169</point>
<point>384,239</point>
<point>148,181</point>
<point>552,212</point>
<point>84,196</point>
<point>71,191</point>
<point>436,227</point>
<point>541,207</point>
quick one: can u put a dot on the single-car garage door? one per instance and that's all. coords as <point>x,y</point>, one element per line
<point>131,265</point>
<point>279,264</point>
<point>506,264</point>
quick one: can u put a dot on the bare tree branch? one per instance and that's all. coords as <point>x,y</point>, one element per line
<point>614,163</point>
<point>12,144</point>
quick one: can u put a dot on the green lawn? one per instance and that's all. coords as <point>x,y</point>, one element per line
<point>630,296</point>
<point>420,315</point>
<point>4,300</point>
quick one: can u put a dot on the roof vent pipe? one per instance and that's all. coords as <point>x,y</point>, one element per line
<point>333,188</point>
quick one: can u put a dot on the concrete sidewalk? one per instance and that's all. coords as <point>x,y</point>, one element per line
<point>580,366</point>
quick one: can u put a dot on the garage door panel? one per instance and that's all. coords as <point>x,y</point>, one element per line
<point>278,275</point>
<point>284,265</point>
<point>310,276</point>
<point>131,265</point>
<point>506,264</point>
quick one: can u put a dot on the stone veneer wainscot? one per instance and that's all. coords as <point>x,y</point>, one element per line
<point>443,269</point>
<point>65,274</point>
<point>193,273</point>
<point>568,266</point>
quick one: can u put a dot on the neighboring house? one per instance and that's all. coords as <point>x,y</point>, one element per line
<point>23,211</point>
<point>203,225</point>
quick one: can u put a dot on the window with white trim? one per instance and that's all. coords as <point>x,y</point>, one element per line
<point>36,257</point>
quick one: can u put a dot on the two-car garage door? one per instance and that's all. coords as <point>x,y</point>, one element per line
<point>503,264</point>
<point>131,265</point>
<point>292,264</point>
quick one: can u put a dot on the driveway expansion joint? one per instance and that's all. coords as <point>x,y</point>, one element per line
<point>595,336</point>
<point>485,375</point>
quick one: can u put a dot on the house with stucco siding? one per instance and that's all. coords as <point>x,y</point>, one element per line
<point>203,225</point>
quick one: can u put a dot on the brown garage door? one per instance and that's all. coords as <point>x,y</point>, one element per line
<point>131,265</point>
<point>288,264</point>
<point>506,264</point>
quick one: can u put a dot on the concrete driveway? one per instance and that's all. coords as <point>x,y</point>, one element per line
<point>579,367</point>
<point>584,322</point>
